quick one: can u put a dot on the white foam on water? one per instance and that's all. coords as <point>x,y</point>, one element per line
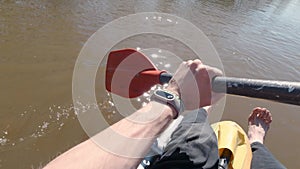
<point>55,120</point>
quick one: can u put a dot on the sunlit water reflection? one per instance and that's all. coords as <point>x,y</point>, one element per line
<point>40,41</point>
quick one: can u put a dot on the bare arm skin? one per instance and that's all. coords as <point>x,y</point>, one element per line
<point>147,123</point>
<point>89,155</point>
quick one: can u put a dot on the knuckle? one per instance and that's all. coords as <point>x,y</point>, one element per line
<point>197,61</point>
<point>189,62</point>
<point>202,68</point>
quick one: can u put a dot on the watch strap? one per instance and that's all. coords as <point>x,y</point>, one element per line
<point>175,102</point>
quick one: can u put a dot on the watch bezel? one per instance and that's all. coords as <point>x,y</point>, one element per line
<point>165,97</point>
<point>175,102</point>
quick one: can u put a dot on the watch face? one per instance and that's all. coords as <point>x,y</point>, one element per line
<point>165,94</point>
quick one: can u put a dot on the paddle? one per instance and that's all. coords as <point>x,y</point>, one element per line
<point>129,73</point>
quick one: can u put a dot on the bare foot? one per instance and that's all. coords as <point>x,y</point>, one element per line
<point>258,124</point>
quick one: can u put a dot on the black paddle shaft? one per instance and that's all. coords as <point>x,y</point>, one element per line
<point>280,91</point>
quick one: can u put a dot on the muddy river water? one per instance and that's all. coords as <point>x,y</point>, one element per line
<point>40,41</point>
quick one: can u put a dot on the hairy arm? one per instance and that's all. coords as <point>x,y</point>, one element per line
<point>124,144</point>
<point>140,129</point>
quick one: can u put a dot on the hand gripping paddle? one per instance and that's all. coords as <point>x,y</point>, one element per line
<point>129,74</point>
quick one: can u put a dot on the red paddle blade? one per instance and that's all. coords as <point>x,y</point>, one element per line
<point>130,73</point>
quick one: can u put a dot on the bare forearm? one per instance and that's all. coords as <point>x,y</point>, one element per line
<point>191,81</point>
<point>107,150</point>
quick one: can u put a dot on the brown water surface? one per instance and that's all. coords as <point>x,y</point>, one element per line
<point>40,41</point>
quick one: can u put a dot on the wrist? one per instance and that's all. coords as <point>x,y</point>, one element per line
<point>169,98</point>
<point>167,109</point>
<point>173,90</point>
<point>173,87</point>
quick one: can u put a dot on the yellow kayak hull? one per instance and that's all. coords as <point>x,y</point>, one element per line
<point>232,137</point>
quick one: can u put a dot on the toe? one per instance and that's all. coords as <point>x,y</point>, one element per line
<point>261,113</point>
<point>264,114</point>
<point>256,111</point>
<point>269,117</point>
<point>251,119</point>
<point>253,115</point>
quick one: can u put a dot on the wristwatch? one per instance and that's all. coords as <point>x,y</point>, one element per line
<point>169,98</point>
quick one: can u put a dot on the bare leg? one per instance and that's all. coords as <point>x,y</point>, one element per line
<point>258,124</point>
